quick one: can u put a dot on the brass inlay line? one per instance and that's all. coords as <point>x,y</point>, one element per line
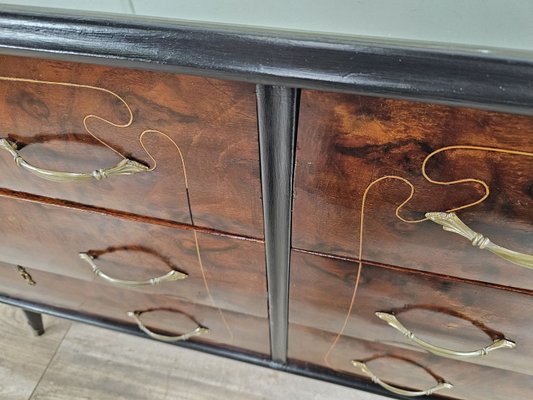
<point>152,168</point>
<point>195,233</point>
<point>89,116</point>
<point>426,218</point>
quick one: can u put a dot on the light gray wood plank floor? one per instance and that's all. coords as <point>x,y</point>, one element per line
<point>24,357</point>
<point>74,361</point>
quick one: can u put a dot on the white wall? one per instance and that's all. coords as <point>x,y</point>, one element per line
<point>482,23</point>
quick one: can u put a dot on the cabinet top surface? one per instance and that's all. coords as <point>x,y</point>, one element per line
<point>483,26</point>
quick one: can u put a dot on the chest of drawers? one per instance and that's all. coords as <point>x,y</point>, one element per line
<point>276,198</point>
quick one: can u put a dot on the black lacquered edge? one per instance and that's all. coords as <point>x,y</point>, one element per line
<point>297,369</point>
<point>277,108</point>
<point>487,79</point>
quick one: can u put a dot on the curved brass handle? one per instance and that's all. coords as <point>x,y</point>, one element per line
<point>170,276</point>
<point>440,351</point>
<point>196,332</point>
<point>440,385</point>
<point>450,222</point>
<point>124,167</point>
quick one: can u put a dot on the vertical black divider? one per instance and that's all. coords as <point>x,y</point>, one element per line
<point>277,109</point>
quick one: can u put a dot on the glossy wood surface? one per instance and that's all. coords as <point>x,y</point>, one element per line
<point>50,238</point>
<point>213,122</point>
<point>168,315</point>
<point>445,312</point>
<point>395,366</point>
<point>345,142</point>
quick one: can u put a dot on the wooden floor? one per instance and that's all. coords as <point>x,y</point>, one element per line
<point>73,361</point>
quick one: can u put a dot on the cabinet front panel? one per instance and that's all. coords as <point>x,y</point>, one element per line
<point>221,270</point>
<point>360,158</point>
<point>160,314</point>
<point>444,312</point>
<point>197,136</point>
<point>407,369</point>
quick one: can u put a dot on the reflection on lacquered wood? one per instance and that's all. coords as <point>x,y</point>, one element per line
<point>443,311</point>
<point>162,314</point>
<point>75,117</point>
<point>470,381</point>
<point>405,159</point>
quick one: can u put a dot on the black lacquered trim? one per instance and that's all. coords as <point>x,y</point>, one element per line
<point>294,368</point>
<point>488,79</point>
<point>277,108</point>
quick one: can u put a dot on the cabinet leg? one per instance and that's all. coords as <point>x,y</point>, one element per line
<point>35,321</point>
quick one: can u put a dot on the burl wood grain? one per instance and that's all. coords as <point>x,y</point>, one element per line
<point>50,237</point>
<point>345,142</point>
<point>169,315</point>
<point>213,122</point>
<point>445,312</point>
<point>395,366</point>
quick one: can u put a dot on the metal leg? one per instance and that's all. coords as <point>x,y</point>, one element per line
<point>35,321</point>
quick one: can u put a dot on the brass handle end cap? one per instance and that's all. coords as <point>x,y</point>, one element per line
<point>178,275</point>
<point>508,343</point>
<point>387,317</point>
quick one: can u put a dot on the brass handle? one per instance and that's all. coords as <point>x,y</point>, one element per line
<point>124,167</point>
<point>196,332</point>
<point>440,385</point>
<point>440,351</point>
<point>170,276</point>
<point>450,222</point>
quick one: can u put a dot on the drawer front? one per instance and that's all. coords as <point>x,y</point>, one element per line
<point>398,367</point>
<point>352,148</point>
<point>224,271</point>
<point>199,134</point>
<point>443,312</point>
<point>162,315</point>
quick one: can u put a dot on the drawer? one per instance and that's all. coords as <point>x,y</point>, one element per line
<point>222,270</point>
<point>162,315</point>
<point>407,369</point>
<point>347,143</point>
<point>444,312</point>
<point>79,118</point>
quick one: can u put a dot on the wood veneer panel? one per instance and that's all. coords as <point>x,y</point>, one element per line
<point>213,122</point>
<point>445,312</point>
<point>345,142</point>
<point>227,328</point>
<point>50,237</point>
<point>471,382</point>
